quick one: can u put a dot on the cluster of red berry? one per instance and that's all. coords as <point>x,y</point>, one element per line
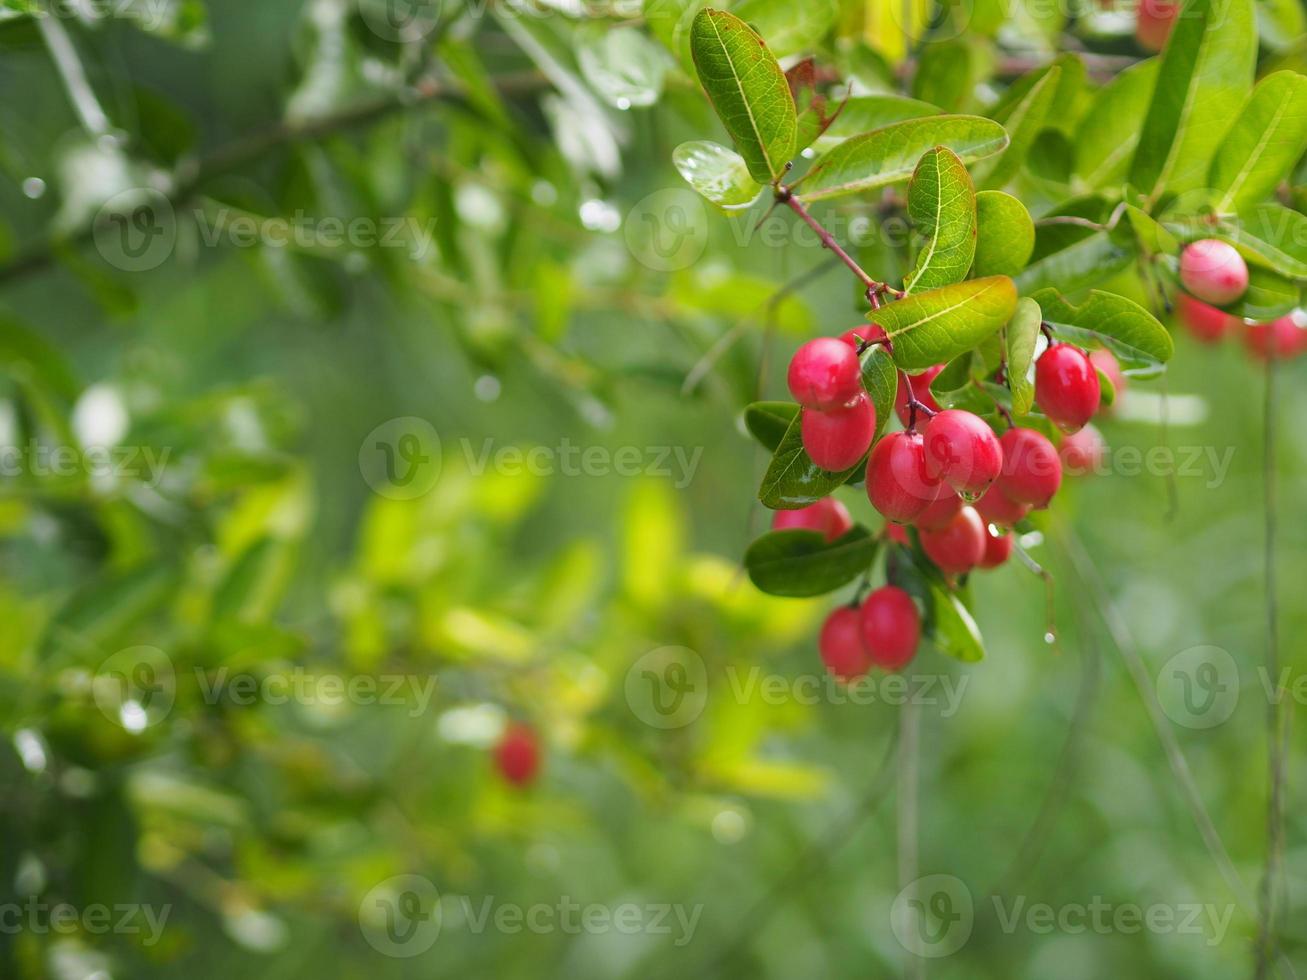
<point>961,486</point>
<point>1214,275</point>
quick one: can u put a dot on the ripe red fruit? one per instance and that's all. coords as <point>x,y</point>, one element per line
<point>1032,471</point>
<point>1082,452</point>
<point>897,482</point>
<point>920,384</point>
<point>840,644</point>
<point>1066,386</point>
<point>868,332</point>
<point>996,507</point>
<point>1281,339</point>
<point>836,439</point>
<point>1105,362</point>
<point>1156,18</point>
<point>998,549</point>
<point>962,451</point>
<point>938,514</point>
<point>897,533</point>
<point>825,374</point>
<point>1206,323</point>
<point>1213,271</point>
<point>518,754</point>
<point>827,516</point>
<point>891,627</point>
<point>958,547</point>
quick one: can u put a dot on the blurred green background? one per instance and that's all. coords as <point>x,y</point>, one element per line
<point>558,307</point>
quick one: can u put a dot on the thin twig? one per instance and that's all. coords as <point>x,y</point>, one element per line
<point>909,759</point>
<point>69,65</point>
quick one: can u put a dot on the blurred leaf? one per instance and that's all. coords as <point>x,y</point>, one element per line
<point>893,28</point>
<point>1280,23</point>
<point>253,589</point>
<point>863,113</point>
<point>1206,72</point>
<point>718,173</point>
<point>621,64</point>
<point>101,611</point>
<point>652,541</point>
<point>1022,336</point>
<point>930,328</point>
<point>1005,235</point>
<point>1107,136</point>
<point>788,27</point>
<point>889,155</point>
<point>946,74</point>
<point>1023,124</point>
<point>942,204</point>
<point>748,90</point>
<point>1269,295</point>
<point>1270,235</point>
<point>1084,263</point>
<point>1268,137</point>
<point>798,563</point>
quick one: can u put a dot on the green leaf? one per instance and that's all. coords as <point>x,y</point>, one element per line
<point>258,579</point>
<point>1022,336</point>
<point>623,65</point>
<point>863,113</point>
<point>792,479</point>
<point>799,563</point>
<point>942,204</point>
<point>1023,124</point>
<point>1280,23</point>
<point>101,611</point>
<point>1141,344</point>
<point>889,155</point>
<point>1108,134</point>
<point>1084,263</point>
<point>880,378</point>
<point>789,28</point>
<point>930,328</point>
<point>1271,236</point>
<point>1205,74</point>
<point>1269,295</point>
<point>948,623</point>
<point>768,421</point>
<point>946,74</point>
<point>718,173</point>
<point>1005,235</point>
<point>1268,137</point>
<point>1149,235</point>
<point>748,90</point>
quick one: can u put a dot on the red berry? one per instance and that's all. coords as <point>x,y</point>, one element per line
<point>920,384</point>
<point>841,646</point>
<point>1281,338</point>
<point>518,754</point>
<point>1213,271</point>
<point>1032,471</point>
<point>891,627</point>
<point>938,514</point>
<point>962,451</point>
<point>958,547</point>
<point>1082,452</point>
<point>825,374</point>
<point>1156,18</point>
<point>827,516</point>
<point>998,549</point>
<point>868,332</point>
<point>1066,386</point>
<point>897,533</point>
<point>897,482</point>
<point>1206,323</point>
<point>996,507</point>
<point>1106,363</point>
<point>838,438</point>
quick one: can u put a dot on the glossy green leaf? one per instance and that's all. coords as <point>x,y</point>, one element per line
<point>792,479</point>
<point>889,155</point>
<point>1206,72</point>
<point>1271,236</point>
<point>1005,235</point>
<point>1141,344</point>
<point>748,90</point>
<point>1108,134</point>
<point>1268,137</point>
<point>1022,336</point>
<point>1269,295</point>
<point>799,563</point>
<point>718,173</point>
<point>880,378</point>
<point>768,421</point>
<point>933,327</point>
<point>942,204</point>
<point>1023,124</point>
